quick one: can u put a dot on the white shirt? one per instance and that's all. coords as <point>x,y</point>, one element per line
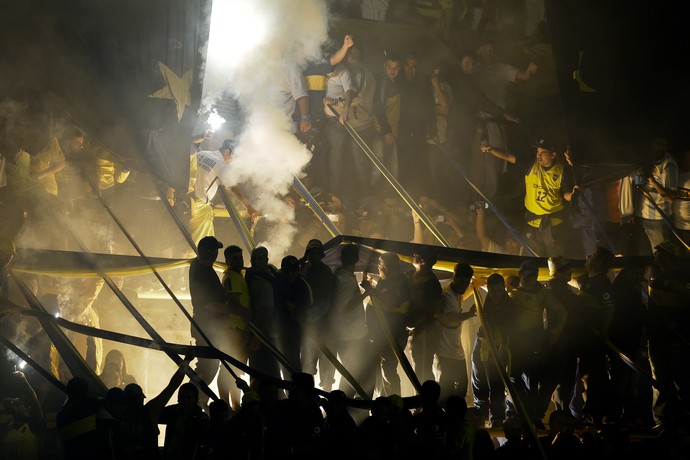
<point>665,172</point>
<point>681,205</point>
<point>286,88</point>
<point>450,345</point>
<point>338,83</point>
<point>210,165</point>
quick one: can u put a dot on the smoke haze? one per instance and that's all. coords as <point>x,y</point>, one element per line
<point>253,44</point>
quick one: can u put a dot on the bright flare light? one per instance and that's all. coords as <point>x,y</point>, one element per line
<point>237,28</point>
<point>215,121</point>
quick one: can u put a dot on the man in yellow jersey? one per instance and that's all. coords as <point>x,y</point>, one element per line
<point>236,335</point>
<point>546,186</point>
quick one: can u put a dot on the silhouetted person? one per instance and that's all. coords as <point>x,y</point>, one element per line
<point>76,423</point>
<point>426,302</point>
<point>186,425</point>
<point>376,433</point>
<point>210,311</point>
<point>429,424</point>
<point>340,430</point>
<point>140,421</point>
<point>320,278</point>
<point>296,429</point>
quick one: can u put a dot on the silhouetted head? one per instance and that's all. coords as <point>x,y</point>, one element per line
<point>77,388</point>
<point>430,393</point>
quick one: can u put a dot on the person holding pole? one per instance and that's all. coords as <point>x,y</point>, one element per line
<point>211,312</point>
<point>660,185</point>
<point>547,188</point>
<point>211,167</point>
<point>426,301</point>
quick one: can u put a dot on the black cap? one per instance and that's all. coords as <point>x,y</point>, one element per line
<point>314,245</point>
<point>209,244</point>
<point>543,144</point>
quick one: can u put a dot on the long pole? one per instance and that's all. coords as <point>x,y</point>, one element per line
<point>597,222</point>
<point>458,167</point>
<point>91,261</point>
<point>200,351</point>
<point>315,207</point>
<point>245,234</point>
<point>170,292</point>
<point>37,367</point>
<point>664,217</point>
<point>180,226</point>
<point>397,349</point>
<point>629,362</point>
<point>74,361</point>
<point>393,181</point>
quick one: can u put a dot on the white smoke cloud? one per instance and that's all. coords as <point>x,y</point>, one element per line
<point>251,44</point>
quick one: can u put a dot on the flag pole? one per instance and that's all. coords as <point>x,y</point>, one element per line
<point>393,181</point>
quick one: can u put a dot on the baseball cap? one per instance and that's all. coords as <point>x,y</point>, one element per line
<point>543,144</point>
<point>209,244</point>
<point>134,390</point>
<point>314,245</point>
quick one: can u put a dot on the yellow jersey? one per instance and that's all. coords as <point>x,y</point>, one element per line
<point>235,283</point>
<point>543,194</point>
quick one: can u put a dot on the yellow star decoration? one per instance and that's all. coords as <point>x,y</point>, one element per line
<point>177,88</point>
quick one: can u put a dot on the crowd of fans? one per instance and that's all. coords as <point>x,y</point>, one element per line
<point>596,352</point>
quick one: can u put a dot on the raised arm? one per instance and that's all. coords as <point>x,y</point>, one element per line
<point>156,405</point>
<point>500,153</point>
<point>339,55</point>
